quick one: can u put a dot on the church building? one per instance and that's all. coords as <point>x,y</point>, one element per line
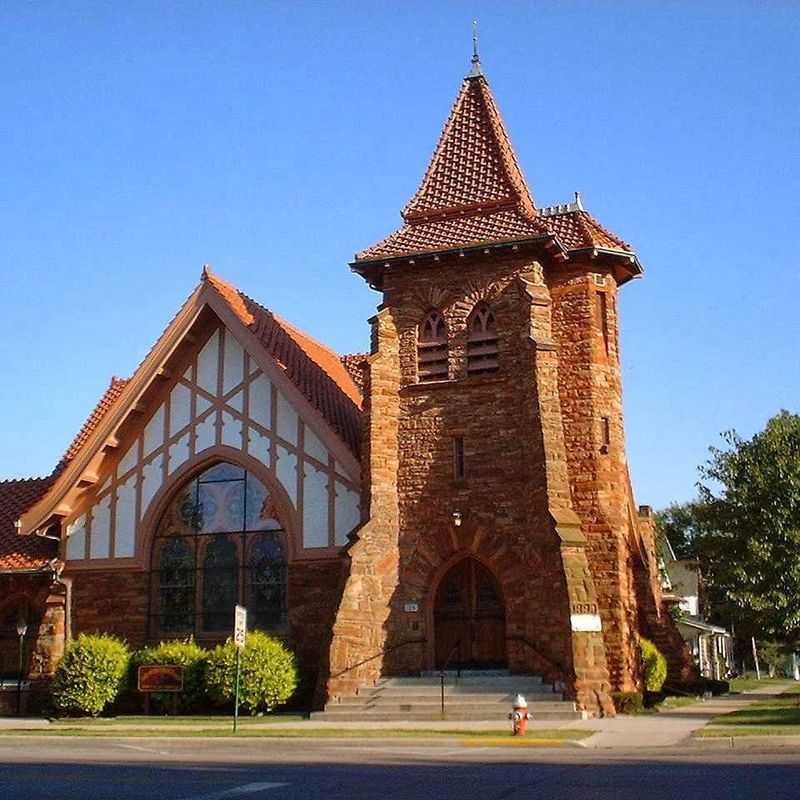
<point>458,496</point>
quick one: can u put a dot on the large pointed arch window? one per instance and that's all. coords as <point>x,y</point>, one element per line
<point>481,341</point>
<point>219,543</point>
<point>432,356</point>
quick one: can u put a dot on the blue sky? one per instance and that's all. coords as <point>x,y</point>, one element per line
<point>273,140</point>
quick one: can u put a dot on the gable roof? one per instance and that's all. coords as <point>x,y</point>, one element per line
<point>314,370</point>
<point>22,552</point>
<point>312,367</point>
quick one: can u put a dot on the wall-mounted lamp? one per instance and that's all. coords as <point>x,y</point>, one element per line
<point>457,519</point>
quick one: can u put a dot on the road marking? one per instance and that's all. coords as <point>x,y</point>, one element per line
<point>237,791</point>
<point>143,749</point>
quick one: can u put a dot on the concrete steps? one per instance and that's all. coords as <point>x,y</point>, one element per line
<point>469,696</point>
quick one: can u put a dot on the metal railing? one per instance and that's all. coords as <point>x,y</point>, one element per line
<point>556,667</point>
<point>382,652</point>
<point>447,661</point>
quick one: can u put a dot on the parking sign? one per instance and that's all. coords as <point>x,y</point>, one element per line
<point>239,626</point>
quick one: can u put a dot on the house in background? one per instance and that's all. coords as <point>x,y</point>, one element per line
<point>711,645</point>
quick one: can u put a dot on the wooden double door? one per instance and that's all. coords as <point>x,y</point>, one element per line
<point>469,618</point>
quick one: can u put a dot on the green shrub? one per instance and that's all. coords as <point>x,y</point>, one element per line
<point>654,666</point>
<point>187,654</point>
<point>628,702</point>
<point>91,674</point>
<point>268,673</point>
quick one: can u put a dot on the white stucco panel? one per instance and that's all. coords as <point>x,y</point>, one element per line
<point>154,432</point>
<point>231,431</point>
<point>286,470</point>
<point>347,512</point>
<point>287,420</point>
<point>315,507</point>
<point>125,519</point>
<point>100,539</point>
<point>180,408</point>
<point>233,364</point>
<point>208,365</point>
<point>261,401</point>
<point>76,539</point>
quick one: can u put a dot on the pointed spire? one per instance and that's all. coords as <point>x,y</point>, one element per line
<point>474,168</point>
<point>476,71</point>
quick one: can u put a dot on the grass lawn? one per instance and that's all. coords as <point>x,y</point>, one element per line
<point>217,720</point>
<point>468,737</point>
<point>777,716</point>
<point>745,684</point>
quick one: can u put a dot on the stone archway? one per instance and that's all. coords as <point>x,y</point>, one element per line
<point>469,618</point>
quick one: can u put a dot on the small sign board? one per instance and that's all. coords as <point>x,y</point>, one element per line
<point>411,608</point>
<point>160,678</point>
<point>239,626</point>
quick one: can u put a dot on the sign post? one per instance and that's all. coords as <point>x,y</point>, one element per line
<point>239,636</point>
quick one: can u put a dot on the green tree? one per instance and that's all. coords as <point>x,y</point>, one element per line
<point>745,528</point>
<point>681,524</point>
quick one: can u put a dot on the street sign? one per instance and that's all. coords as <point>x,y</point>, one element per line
<point>239,626</point>
<point>239,636</point>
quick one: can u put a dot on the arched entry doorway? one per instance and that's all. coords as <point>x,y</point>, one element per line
<point>469,618</point>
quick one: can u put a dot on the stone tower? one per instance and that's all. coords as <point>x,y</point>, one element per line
<point>502,529</point>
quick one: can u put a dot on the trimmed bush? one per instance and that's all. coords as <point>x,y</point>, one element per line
<point>654,666</point>
<point>91,674</point>
<point>268,673</point>
<point>628,702</point>
<point>187,654</point>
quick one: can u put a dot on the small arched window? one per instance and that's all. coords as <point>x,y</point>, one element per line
<point>481,342</point>
<point>432,348</point>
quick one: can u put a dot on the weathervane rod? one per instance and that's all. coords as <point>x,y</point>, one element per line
<point>476,61</point>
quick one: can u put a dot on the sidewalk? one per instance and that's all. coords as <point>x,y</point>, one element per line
<point>664,729</point>
<point>667,728</point>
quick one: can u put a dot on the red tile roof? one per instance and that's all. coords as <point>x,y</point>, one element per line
<point>474,163</point>
<point>473,192</point>
<point>450,234</point>
<point>313,368</point>
<point>108,399</point>
<point>22,552</point>
<point>354,363</point>
<point>577,229</point>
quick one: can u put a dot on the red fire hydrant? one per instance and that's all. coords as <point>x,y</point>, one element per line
<point>519,716</point>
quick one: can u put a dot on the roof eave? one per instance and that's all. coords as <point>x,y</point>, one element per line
<point>634,270</point>
<point>360,266</point>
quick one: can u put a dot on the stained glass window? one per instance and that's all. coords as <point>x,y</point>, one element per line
<point>219,543</point>
<point>176,585</point>
<point>220,583</point>
<point>267,590</point>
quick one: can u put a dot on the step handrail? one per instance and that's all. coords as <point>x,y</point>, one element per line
<point>457,646</point>
<point>557,667</point>
<point>383,651</point>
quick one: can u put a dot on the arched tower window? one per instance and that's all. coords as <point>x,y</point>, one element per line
<point>220,542</point>
<point>432,348</point>
<point>481,341</point>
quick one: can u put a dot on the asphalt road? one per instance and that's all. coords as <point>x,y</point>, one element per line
<point>123,769</point>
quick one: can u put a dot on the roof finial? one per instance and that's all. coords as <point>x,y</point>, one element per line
<point>476,70</point>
